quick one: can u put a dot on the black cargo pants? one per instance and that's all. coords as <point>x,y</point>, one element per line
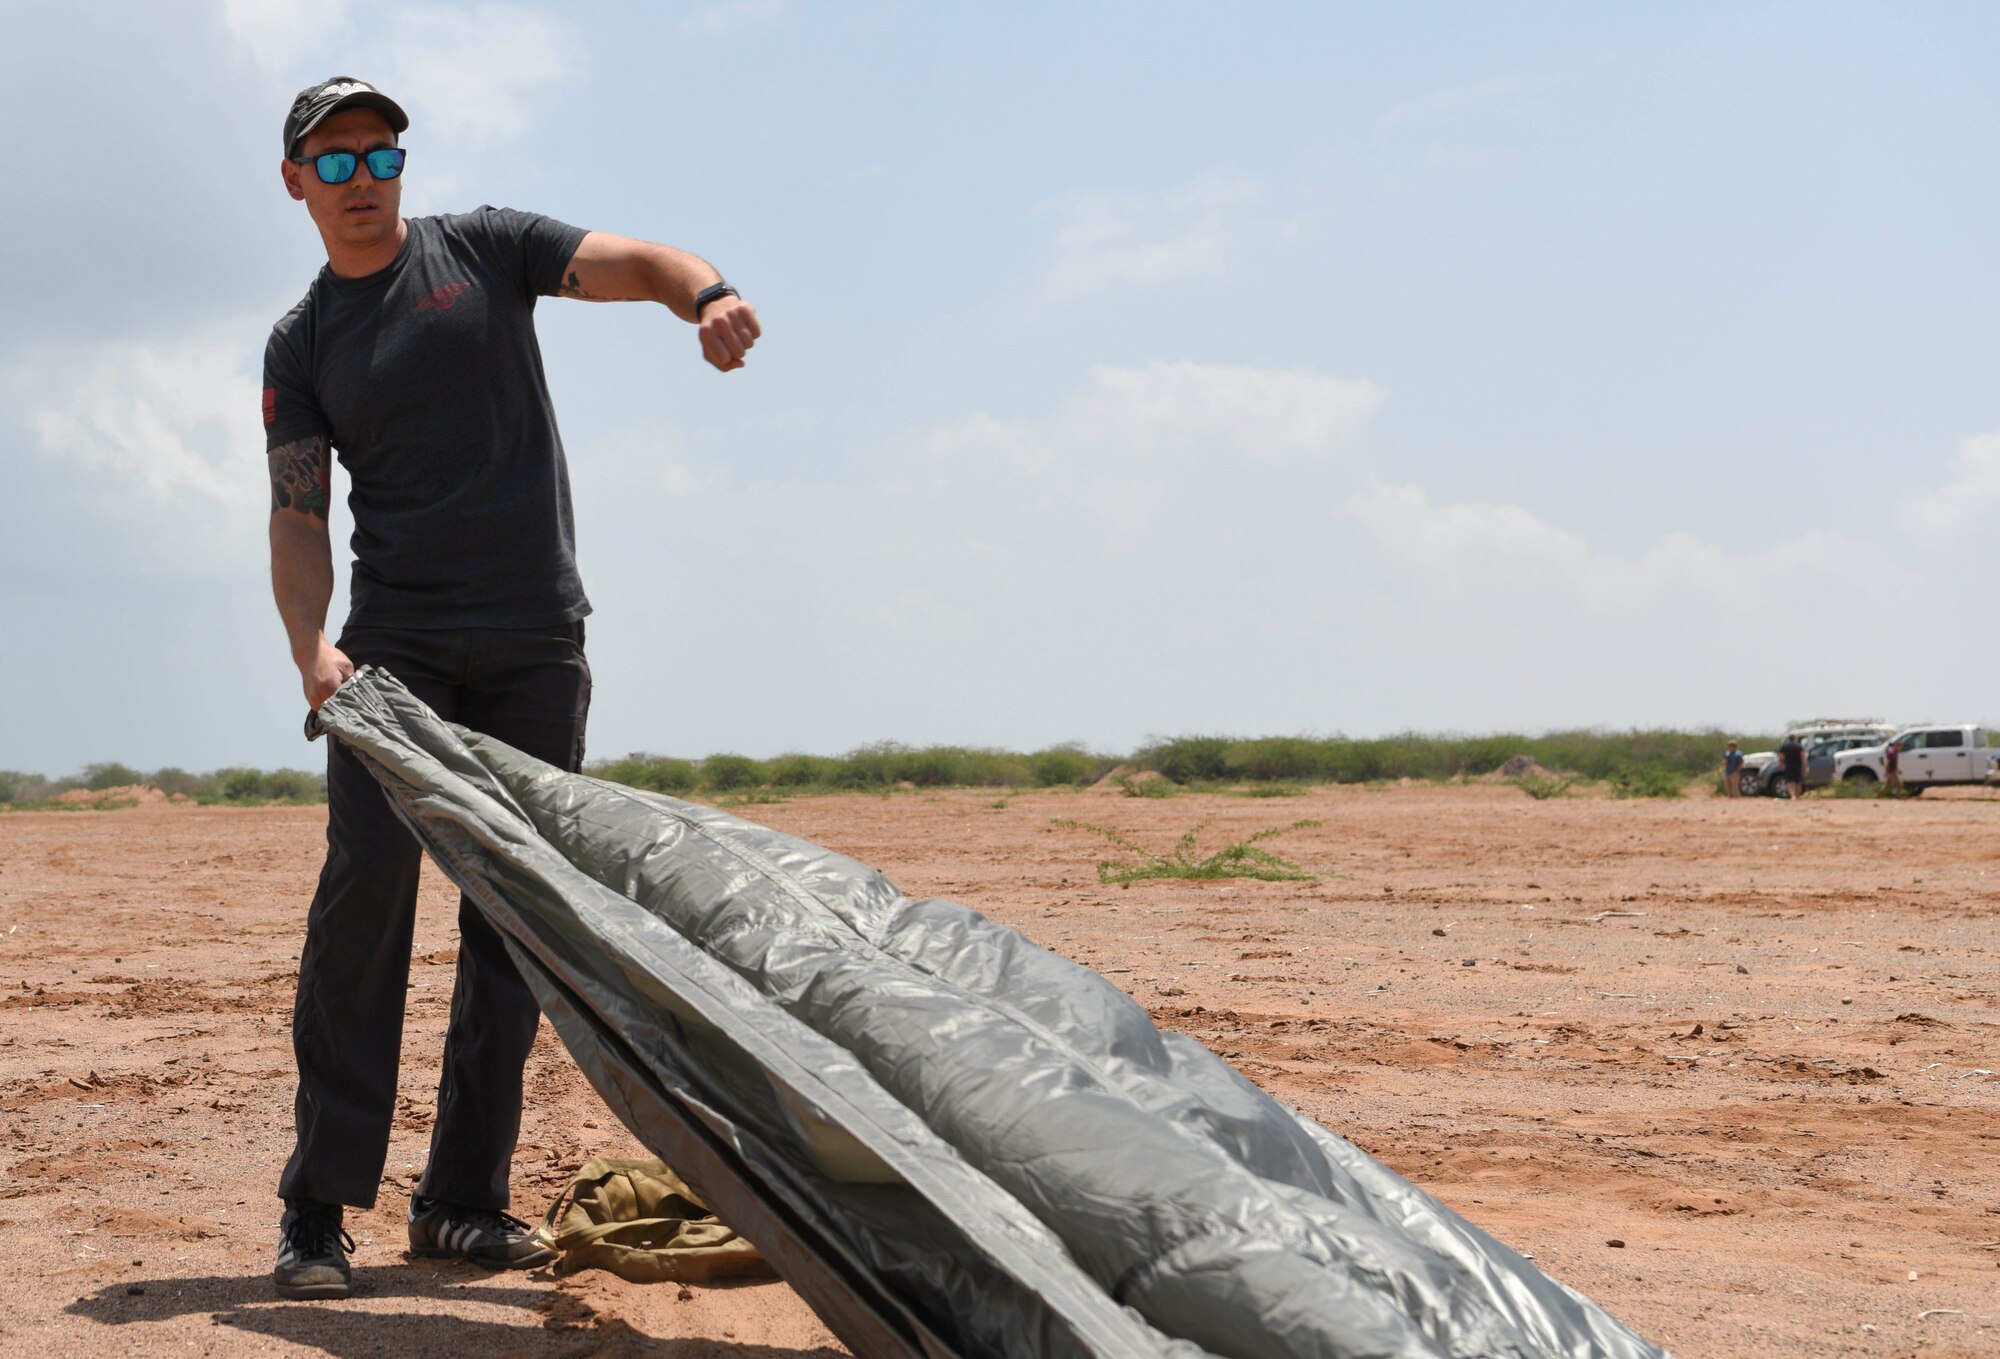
<point>529,687</point>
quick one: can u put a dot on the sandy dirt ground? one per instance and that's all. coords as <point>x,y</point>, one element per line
<point>1728,1067</point>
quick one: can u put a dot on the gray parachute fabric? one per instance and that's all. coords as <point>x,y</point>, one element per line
<point>948,1140</point>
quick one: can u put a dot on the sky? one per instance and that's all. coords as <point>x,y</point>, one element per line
<point>1129,370</point>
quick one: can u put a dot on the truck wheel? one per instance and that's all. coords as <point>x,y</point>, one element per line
<point>1774,782</point>
<point>1858,774</point>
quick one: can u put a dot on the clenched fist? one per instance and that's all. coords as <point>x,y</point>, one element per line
<point>728,329</point>
<point>323,672</point>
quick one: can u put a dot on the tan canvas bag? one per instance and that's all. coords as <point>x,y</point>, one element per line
<point>638,1220</point>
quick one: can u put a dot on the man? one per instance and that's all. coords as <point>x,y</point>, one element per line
<point>413,356</point>
<point>1732,771</point>
<point>1792,765</point>
<point>1892,770</point>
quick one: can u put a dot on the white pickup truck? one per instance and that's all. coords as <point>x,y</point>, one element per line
<point>1930,757</point>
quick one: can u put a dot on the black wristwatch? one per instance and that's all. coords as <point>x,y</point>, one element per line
<point>710,294</point>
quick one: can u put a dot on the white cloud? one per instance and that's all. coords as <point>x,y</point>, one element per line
<point>1210,227</point>
<point>475,79</point>
<point>472,78</point>
<point>1947,517</point>
<point>1442,105</point>
<point>279,34</point>
<point>1195,410</point>
<point>1177,412</point>
<point>173,423</point>
<point>1458,576</point>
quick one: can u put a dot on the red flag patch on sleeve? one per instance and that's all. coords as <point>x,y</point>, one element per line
<point>270,406</point>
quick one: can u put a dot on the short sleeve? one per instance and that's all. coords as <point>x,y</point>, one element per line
<point>290,409</point>
<point>532,247</point>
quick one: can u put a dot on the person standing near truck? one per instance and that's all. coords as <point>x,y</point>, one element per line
<point>1892,770</point>
<point>1732,771</point>
<point>414,356</point>
<point>1792,765</point>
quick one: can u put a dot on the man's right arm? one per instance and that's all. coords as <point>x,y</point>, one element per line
<point>302,561</point>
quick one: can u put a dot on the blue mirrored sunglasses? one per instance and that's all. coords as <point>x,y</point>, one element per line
<point>337,167</point>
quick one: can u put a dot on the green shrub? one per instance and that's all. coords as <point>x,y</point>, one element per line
<point>1542,787</point>
<point>172,781</point>
<point>654,775</point>
<point>1280,757</point>
<point>1161,787</point>
<point>110,775</point>
<point>803,771</point>
<point>727,773</point>
<point>1648,782</point>
<point>1187,759</point>
<point>240,785</point>
<point>982,767</point>
<point>294,785</point>
<point>870,766</point>
<point>932,767</point>
<point>669,776</point>
<point>1061,766</point>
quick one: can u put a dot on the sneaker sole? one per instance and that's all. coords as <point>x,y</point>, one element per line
<point>315,1292</point>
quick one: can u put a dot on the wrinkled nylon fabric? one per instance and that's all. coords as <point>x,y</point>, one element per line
<point>950,1140</point>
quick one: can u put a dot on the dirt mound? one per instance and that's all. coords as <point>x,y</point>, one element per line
<point>141,794</point>
<point>1520,766</point>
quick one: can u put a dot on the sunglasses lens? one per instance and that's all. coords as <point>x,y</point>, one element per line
<point>386,162</point>
<point>335,167</point>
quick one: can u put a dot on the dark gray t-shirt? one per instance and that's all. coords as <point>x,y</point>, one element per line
<point>427,379</point>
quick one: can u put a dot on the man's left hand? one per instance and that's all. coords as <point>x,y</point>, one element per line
<point>728,329</point>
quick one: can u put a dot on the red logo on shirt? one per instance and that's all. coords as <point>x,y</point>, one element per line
<point>270,406</point>
<point>443,297</point>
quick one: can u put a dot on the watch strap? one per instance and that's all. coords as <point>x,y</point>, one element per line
<point>709,294</point>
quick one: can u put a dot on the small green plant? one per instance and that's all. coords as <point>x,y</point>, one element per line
<point>1648,782</point>
<point>1242,859</point>
<point>1850,788</point>
<point>1542,787</point>
<point>1160,787</point>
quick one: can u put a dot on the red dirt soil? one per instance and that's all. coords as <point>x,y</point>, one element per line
<point>1753,1042</point>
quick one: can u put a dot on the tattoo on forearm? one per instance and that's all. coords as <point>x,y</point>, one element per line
<point>573,287</point>
<point>300,472</point>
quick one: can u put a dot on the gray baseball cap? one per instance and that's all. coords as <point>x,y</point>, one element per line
<point>316,103</point>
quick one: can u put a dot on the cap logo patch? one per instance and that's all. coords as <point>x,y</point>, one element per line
<point>345,88</point>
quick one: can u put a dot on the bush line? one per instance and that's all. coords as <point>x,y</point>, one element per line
<point>1637,763</point>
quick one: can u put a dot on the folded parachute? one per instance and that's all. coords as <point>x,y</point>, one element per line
<point>950,1141</point>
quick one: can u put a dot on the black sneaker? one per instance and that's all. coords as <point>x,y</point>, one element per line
<point>485,1236</point>
<point>312,1252</point>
